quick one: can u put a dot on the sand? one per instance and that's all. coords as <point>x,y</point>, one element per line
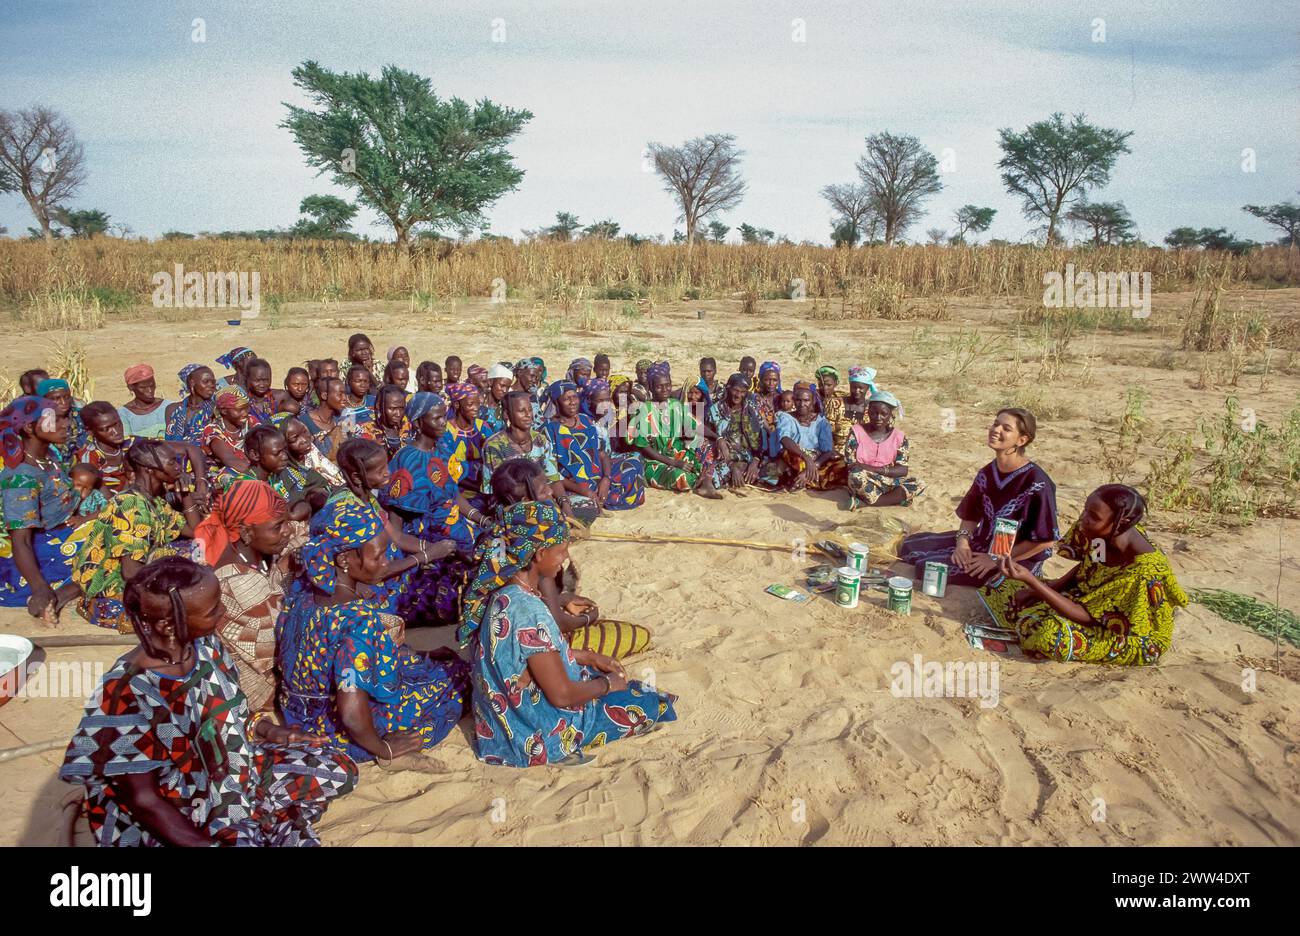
<point>788,732</point>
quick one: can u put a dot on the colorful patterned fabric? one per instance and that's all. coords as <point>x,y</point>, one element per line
<point>34,496</point>
<point>392,442</point>
<point>346,524</point>
<point>252,598</point>
<point>244,503</point>
<point>22,412</point>
<point>670,429</point>
<point>324,650</point>
<point>219,476</point>
<point>618,639</point>
<point>514,723</point>
<point>1132,608</point>
<point>55,568</point>
<point>466,453</point>
<point>508,548</point>
<point>231,396</point>
<point>261,410</point>
<point>114,472</point>
<point>500,448</point>
<point>868,486</point>
<point>420,403</point>
<point>92,503</point>
<point>577,455</point>
<point>187,426</point>
<point>137,373</point>
<point>191,733</point>
<point>741,428</point>
<point>135,527</point>
<point>841,425</point>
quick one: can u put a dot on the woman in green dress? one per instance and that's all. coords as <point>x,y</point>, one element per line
<point>673,443</point>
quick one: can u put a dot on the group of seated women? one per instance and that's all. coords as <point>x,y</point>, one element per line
<point>270,548</point>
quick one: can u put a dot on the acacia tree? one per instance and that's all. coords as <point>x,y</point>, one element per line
<point>1285,216</point>
<point>565,226</point>
<point>602,230</point>
<point>704,175</point>
<point>412,157</point>
<point>972,219</point>
<point>900,174</point>
<point>1053,163</point>
<point>85,223</point>
<point>855,210</point>
<point>40,158</point>
<point>1109,222</point>
<point>718,232</point>
<point>328,218</point>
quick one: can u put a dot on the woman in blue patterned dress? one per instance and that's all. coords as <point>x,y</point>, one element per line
<point>536,701</point>
<point>422,491</point>
<point>343,677</point>
<point>583,456</point>
<point>196,408</point>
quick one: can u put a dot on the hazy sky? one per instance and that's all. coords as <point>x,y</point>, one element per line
<point>184,135</point>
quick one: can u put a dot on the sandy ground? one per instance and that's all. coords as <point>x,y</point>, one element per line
<point>788,731</point>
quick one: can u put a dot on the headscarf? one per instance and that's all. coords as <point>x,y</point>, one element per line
<point>659,369</point>
<point>420,403</point>
<point>523,529</point>
<point>589,390</point>
<point>244,503</point>
<point>50,384</point>
<point>540,365</point>
<point>616,379</point>
<point>231,396</point>
<point>136,373</point>
<point>500,372</point>
<point>738,380</point>
<point>476,371</point>
<point>523,363</point>
<point>826,370</point>
<point>389,356</point>
<point>23,411</point>
<point>230,357</point>
<point>559,388</point>
<point>644,364</point>
<point>460,391</point>
<point>184,375</point>
<point>348,528</point>
<point>573,368</point>
<point>884,396</point>
<point>863,375</point>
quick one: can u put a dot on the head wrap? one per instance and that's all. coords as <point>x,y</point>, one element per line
<point>230,357</point>
<point>590,389</point>
<point>184,375</point>
<point>279,419</point>
<point>460,391</point>
<point>523,364</point>
<point>574,366</point>
<point>476,371</point>
<point>540,365</point>
<point>616,379</point>
<point>50,384</point>
<point>559,388</point>
<point>884,396</point>
<point>244,503</point>
<point>136,373</point>
<point>644,364</point>
<point>738,380</point>
<point>769,367</point>
<point>389,355</point>
<point>348,528</point>
<point>523,529</point>
<point>863,375</point>
<point>826,370</point>
<point>231,396</point>
<point>421,403</point>
<point>500,372</point>
<point>23,411</point>
<point>655,371</point>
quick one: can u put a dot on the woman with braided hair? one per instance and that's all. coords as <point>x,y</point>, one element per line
<point>168,752</point>
<point>1115,606</point>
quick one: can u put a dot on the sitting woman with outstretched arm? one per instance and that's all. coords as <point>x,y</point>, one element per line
<point>1115,606</point>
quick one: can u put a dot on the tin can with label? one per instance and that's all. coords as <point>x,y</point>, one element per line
<point>900,595</point>
<point>858,555</point>
<point>848,583</point>
<point>935,582</point>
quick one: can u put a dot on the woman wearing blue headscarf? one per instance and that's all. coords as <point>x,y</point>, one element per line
<point>582,453</point>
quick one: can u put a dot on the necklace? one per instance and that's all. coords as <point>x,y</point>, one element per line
<point>525,586</point>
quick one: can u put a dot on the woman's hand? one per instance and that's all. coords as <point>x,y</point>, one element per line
<point>982,564</point>
<point>961,556</point>
<point>42,603</point>
<point>751,471</point>
<point>287,734</point>
<point>1014,570</point>
<point>401,743</point>
<point>579,605</point>
<point>602,492</point>
<point>607,665</point>
<point>617,681</point>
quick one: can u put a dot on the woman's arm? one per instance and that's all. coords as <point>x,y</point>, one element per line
<point>547,670</point>
<point>162,820</point>
<point>24,552</point>
<point>228,455</point>
<point>1071,610</point>
<point>354,708</point>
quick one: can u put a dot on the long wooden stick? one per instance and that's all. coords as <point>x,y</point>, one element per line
<point>657,538</point>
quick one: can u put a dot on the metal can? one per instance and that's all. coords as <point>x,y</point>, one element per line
<point>935,582</point>
<point>858,555</point>
<point>847,586</point>
<point>900,595</point>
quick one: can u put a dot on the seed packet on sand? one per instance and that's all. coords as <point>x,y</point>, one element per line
<point>788,593</point>
<point>1004,536</point>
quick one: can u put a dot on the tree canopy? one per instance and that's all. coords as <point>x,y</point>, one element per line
<point>900,174</point>
<point>703,174</point>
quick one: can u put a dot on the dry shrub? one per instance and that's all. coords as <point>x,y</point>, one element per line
<point>67,361</point>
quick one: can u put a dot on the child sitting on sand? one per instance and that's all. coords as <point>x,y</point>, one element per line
<point>86,483</point>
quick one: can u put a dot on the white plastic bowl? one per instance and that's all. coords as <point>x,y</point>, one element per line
<point>15,651</point>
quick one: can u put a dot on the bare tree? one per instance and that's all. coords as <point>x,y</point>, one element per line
<point>900,174</point>
<point>41,158</point>
<point>856,211</point>
<point>937,236</point>
<point>704,175</point>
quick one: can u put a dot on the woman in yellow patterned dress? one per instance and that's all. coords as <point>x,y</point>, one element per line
<point>1116,606</point>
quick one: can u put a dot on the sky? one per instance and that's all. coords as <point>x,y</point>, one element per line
<point>184,135</point>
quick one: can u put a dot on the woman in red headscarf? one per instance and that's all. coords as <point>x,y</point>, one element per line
<point>144,416</point>
<point>244,540</point>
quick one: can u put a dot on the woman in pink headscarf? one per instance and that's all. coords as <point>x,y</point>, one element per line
<point>144,416</point>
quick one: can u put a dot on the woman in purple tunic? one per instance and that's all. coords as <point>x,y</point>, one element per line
<point>1009,487</point>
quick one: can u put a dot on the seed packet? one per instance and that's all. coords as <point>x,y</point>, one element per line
<point>788,593</point>
<point>1004,536</point>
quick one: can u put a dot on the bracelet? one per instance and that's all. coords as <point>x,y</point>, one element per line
<point>390,749</point>
<point>254,720</point>
<point>586,618</point>
<point>609,686</point>
<point>963,534</point>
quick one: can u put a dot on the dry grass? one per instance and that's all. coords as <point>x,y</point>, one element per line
<point>876,277</point>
